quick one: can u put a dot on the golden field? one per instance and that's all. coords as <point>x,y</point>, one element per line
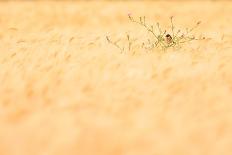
<point>65,91</point>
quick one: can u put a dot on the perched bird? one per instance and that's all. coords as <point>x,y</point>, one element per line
<point>168,39</point>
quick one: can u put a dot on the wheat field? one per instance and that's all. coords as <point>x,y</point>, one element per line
<point>65,91</point>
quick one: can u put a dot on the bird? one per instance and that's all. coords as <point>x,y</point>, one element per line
<point>168,39</point>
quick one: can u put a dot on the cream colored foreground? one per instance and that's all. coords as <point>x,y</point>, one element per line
<point>65,91</point>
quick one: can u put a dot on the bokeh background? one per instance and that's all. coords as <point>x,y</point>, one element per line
<point>65,90</point>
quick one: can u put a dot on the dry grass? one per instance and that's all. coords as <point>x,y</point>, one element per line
<point>65,90</point>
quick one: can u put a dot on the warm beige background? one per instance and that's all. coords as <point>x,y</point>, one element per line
<point>65,91</point>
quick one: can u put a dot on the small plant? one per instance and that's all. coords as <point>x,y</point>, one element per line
<point>115,43</point>
<point>120,47</point>
<point>160,38</point>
